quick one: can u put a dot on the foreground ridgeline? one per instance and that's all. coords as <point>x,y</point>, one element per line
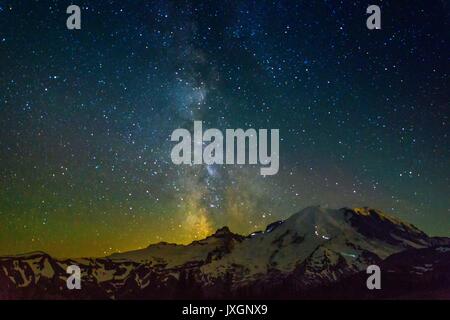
<point>316,253</point>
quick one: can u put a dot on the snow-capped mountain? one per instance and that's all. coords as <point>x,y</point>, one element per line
<point>315,247</point>
<point>319,238</point>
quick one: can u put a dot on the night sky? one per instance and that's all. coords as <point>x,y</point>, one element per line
<point>86,117</point>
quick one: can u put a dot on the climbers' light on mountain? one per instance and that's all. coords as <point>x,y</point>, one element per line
<point>86,117</point>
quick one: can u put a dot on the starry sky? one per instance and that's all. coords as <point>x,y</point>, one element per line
<point>86,117</point>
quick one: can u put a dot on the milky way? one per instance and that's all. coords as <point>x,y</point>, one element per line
<point>86,117</point>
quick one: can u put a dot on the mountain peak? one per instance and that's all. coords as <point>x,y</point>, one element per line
<point>222,231</point>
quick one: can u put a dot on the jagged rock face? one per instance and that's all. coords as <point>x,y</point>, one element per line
<point>312,248</point>
<point>318,239</point>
